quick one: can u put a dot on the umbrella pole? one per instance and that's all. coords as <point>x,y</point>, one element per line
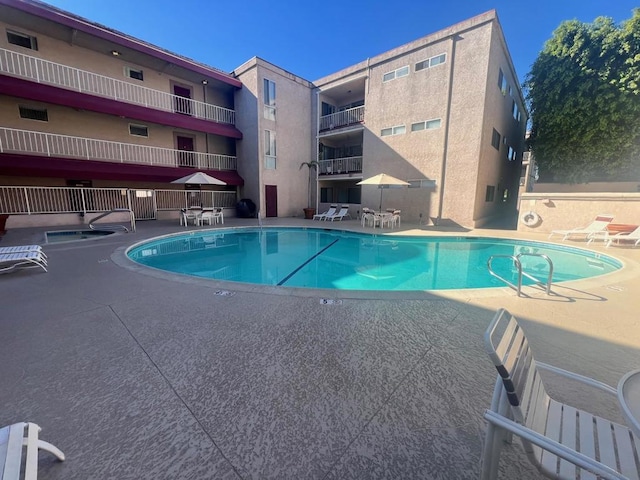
<point>381,189</point>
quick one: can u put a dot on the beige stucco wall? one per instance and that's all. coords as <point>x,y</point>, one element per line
<point>587,187</point>
<point>562,211</point>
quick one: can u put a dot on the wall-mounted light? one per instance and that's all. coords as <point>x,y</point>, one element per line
<point>205,82</point>
<point>115,53</point>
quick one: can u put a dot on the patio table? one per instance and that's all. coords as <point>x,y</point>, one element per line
<point>629,397</point>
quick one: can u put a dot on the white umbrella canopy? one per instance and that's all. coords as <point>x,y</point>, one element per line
<point>199,178</point>
<point>383,180</point>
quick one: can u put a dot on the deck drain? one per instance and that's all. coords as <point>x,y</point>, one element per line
<point>224,293</point>
<point>330,301</point>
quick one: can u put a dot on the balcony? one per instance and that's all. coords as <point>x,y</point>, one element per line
<point>340,166</point>
<point>64,146</point>
<point>345,118</point>
<point>62,76</point>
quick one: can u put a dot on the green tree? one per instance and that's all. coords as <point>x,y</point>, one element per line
<point>312,165</point>
<point>584,97</point>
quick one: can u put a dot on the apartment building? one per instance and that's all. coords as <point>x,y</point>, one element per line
<point>82,105</point>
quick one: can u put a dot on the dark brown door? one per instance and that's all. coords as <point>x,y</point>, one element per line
<point>271,200</point>
<point>183,102</point>
<point>186,158</point>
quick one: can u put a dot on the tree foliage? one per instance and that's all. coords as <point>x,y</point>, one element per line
<point>584,97</point>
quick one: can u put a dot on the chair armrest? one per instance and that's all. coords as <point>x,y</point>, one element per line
<point>562,451</point>
<point>581,378</point>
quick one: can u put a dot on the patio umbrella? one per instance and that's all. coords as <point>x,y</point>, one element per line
<point>383,180</point>
<point>199,178</point>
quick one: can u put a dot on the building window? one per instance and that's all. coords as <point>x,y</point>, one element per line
<point>326,195</point>
<point>133,73</point>
<point>490,194</point>
<point>428,125</point>
<point>400,72</point>
<point>495,140</point>
<point>269,150</point>
<point>22,40</point>
<point>269,100</point>
<point>397,130</point>
<point>422,183</point>
<point>34,113</point>
<point>431,62</point>
<point>514,111</point>
<point>138,130</point>
<point>502,82</point>
<point>511,154</point>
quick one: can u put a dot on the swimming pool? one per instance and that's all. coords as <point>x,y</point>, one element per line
<point>318,258</point>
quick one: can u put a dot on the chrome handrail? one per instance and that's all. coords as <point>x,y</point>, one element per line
<point>111,227</point>
<point>531,277</point>
<point>518,264</point>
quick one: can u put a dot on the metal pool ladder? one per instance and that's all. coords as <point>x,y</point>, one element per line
<point>518,264</point>
<point>115,226</point>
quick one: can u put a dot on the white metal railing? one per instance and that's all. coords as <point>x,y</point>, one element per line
<point>44,71</point>
<point>37,200</point>
<point>340,119</point>
<point>53,145</point>
<point>340,165</point>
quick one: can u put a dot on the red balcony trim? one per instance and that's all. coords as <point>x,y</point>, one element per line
<point>72,21</point>
<point>55,167</point>
<point>18,87</point>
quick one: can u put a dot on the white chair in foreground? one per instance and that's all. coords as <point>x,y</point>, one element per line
<point>328,213</point>
<point>12,261</point>
<point>342,214</point>
<point>598,225</point>
<point>22,248</point>
<point>560,440</point>
<point>624,237</point>
<point>12,442</point>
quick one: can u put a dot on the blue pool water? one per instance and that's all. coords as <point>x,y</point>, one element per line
<point>317,258</point>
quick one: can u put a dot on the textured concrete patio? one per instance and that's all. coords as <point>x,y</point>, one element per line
<point>136,374</point>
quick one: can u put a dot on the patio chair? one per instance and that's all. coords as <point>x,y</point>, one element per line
<point>342,214</point>
<point>395,219</point>
<point>599,224</point>
<point>12,442</point>
<point>560,440</point>
<point>23,248</point>
<point>12,261</point>
<point>328,213</point>
<point>624,237</point>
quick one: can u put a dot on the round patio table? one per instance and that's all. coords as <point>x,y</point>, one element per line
<point>629,397</point>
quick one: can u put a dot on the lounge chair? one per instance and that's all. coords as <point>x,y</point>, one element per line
<point>328,213</point>
<point>12,442</point>
<point>22,248</point>
<point>11,261</point>
<point>624,237</point>
<point>560,440</point>
<point>342,214</point>
<point>599,224</point>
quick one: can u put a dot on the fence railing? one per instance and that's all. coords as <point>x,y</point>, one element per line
<point>38,200</point>
<point>53,145</point>
<point>340,165</point>
<point>44,71</point>
<point>350,116</point>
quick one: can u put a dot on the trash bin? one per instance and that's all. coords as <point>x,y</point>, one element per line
<point>245,208</point>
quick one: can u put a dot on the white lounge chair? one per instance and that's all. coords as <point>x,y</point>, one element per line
<point>342,214</point>
<point>22,248</point>
<point>599,224</point>
<point>560,440</point>
<point>624,237</point>
<point>12,442</point>
<point>11,261</point>
<point>328,213</point>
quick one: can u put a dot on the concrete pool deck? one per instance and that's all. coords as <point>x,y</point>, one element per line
<point>139,375</point>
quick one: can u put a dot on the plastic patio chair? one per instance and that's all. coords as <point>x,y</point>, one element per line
<point>12,261</point>
<point>328,213</point>
<point>560,440</point>
<point>13,442</point>
<point>342,214</point>
<point>624,237</point>
<point>599,224</point>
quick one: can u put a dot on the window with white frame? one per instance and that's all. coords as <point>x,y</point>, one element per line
<point>431,62</point>
<point>514,111</point>
<point>269,99</point>
<point>397,130</point>
<point>22,40</point>
<point>427,125</point>
<point>138,130</point>
<point>397,73</point>
<point>134,73</point>
<point>269,150</point>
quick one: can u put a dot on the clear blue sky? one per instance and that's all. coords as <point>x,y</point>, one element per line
<point>314,39</point>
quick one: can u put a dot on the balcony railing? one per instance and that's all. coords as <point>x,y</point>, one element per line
<point>340,166</point>
<point>51,145</point>
<point>63,76</point>
<point>344,118</point>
